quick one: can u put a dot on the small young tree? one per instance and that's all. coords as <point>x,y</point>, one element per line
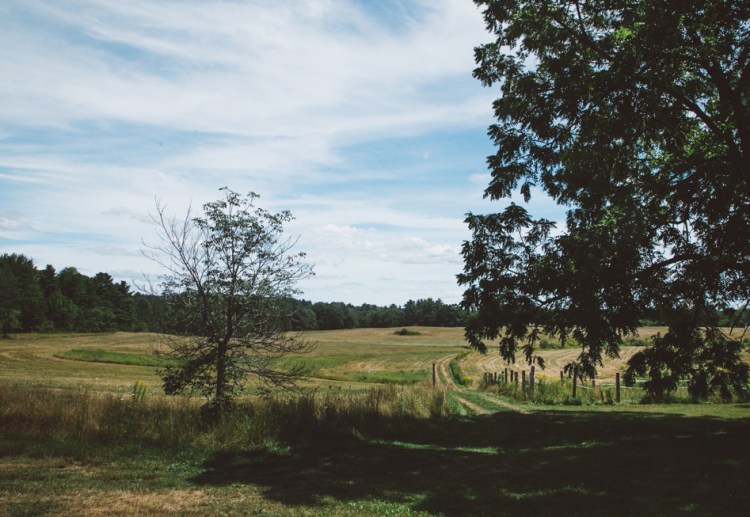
<point>228,272</point>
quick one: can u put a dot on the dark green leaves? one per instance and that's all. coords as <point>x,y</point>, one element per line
<point>635,116</point>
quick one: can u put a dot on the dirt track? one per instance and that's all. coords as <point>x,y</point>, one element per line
<point>444,379</point>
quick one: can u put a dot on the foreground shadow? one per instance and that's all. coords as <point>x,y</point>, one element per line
<point>548,462</point>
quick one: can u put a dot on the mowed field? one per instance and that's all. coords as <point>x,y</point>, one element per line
<point>345,358</point>
<point>341,358</point>
<point>374,439</point>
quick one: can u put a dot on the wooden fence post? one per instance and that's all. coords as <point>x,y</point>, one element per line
<point>531,383</point>
<point>433,375</point>
<point>523,382</point>
<point>561,376</point>
<point>575,379</point>
<point>506,376</point>
<point>617,386</point>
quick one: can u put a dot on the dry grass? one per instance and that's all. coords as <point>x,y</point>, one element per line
<point>338,356</point>
<point>72,442</point>
<point>30,358</point>
<point>91,503</point>
<point>555,360</point>
<point>342,358</point>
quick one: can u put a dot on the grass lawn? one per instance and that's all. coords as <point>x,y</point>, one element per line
<point>619,462</point>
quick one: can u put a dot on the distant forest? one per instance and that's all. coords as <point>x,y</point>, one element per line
<point>47,300</point>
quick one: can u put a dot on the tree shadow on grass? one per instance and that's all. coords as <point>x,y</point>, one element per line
<point>544,463</point>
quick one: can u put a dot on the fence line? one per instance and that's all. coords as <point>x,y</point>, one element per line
<point>497,378</point>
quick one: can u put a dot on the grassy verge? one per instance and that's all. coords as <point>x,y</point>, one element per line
<point>456,372</point>
<point>390,451</point>
<point>104,356</point>
<point>135,417</point>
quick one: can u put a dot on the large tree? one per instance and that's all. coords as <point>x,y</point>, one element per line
<point>229,270</point>
<point>633,115</point>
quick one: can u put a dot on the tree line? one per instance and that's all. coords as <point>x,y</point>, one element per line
<point>47,300</point>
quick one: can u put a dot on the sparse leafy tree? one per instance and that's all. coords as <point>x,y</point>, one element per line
<point>228,272</point>
<point>635,116</point>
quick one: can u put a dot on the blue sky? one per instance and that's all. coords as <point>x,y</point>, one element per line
<point>360,117</point>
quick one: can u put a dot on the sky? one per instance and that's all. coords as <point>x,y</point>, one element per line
<point>361,117</point>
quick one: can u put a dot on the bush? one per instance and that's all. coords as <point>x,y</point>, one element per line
<point>407,332</point>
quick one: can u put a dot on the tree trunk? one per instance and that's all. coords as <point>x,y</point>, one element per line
<point>221,373</point>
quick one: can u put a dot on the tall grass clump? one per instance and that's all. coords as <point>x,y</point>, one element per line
<point>331,415</point>
<point>87,417</point>
<point>456,372</point>
<point>98,418</point>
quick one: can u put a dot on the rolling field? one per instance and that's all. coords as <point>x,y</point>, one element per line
<point>372,438</point>
<point>343,358</point>
<point>354,358</point>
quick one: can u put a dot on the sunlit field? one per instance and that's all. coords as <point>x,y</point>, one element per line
<point>340,358</point>
<point>370,435</point>
<point>353,358</point>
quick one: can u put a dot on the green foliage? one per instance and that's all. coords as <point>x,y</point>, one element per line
<point>632,115</point>
<point>422,312</point>
<point>708,359</point>
<point>21,299</point>
<point>47,301</point>
<point>229,273</point>
<point>553,392</point>
<point>33,300</point>
<point>407,332</point>
<point>456,372</point>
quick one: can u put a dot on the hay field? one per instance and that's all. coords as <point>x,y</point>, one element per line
<point>347,358</point>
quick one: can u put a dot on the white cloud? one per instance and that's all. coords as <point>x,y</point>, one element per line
<point>116,251</point>
<point>105,106</point>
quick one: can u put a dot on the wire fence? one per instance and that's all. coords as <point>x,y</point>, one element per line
<point>528,386</point>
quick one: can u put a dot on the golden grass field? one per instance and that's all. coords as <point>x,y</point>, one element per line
<point>355,358</point>
<point>366,449</point>
<point>343,357</point>
<point>337,358</point>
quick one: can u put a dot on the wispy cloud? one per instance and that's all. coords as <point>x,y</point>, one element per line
<point>360,117</point>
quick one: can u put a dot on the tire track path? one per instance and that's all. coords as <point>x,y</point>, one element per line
<point>444,379</point>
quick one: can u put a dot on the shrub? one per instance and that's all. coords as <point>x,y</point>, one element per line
<point>407,332</point>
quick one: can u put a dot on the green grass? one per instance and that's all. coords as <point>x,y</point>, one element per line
<point>104,356</point>
<point>81,437</point>
<point>376,453</point>
<point>456,371</point>
<point>386,377</point>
